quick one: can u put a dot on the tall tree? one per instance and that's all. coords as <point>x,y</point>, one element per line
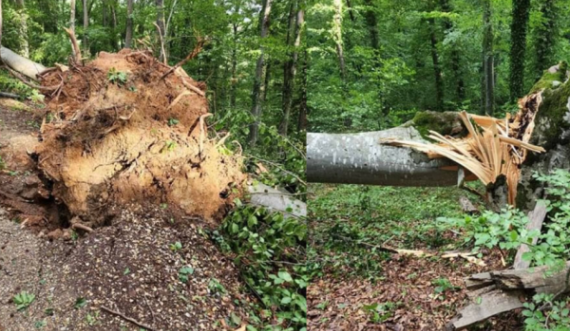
<point>85,23</point>
<point>72,15</point>
<point>520,14</point>
<point>371,24</point>
<point>435,61</point>
<point>488,86</point>
<point>544,39</point>
<point>161,27</point>
<point>337,36</point>
<point>24,44</point>
<point>260,71</point>
<point>455,58</point>
<point>303,110</point>
<point>290,66</point>
<point>129,32</point>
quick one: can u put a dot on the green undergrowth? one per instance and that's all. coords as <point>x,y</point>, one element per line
<point>348,223</point>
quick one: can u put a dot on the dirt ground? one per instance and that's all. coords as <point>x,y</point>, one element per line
<point>131,265</point>
<point>408,289</point>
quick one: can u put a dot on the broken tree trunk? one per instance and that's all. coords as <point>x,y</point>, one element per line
<point>358,159</point>
<point>21,64</point>
<point>499,291</point>
<point>536,218</point>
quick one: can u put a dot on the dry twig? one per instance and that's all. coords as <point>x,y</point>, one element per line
<point>135,322</point>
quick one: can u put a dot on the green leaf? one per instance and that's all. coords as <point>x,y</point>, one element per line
<point>285,276</point>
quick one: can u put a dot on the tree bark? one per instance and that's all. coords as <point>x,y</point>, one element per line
<point>358,158</point>
<point>436,66</point>
<point>520,14</point>
<point>21,64</point>
<point>545,37</point>
<point>24,44</point>
<point>72,15</point>
<point>160,23</point>
<point>260,71</point>
<point>129,32</point>
<point>85,24</point>
<point>488,60</point>
<point>290,67</point>
<point>455,58</point>
<point>372,25</point>
<point>233,87</point>
<point>303,110</point>
<point>337,37</point>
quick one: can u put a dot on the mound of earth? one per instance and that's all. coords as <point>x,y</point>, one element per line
<point>129,267</point>
<point>125,127</point>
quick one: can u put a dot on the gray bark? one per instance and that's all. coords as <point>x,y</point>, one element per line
<point>360,159</point>
<point>20,64</point>
<point>129,33</point>
<point>85,23</point>
<point>259,80</point>
<point>24,44</point>
<point>277,200</point>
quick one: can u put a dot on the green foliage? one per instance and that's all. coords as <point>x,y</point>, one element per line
<point>269,250</point>
<point>23,300</point>
<point>505,230</point>
<point>381,312</point>
<point>117,77</point>
<point>176,246</point>
<point>184,273</point>
<point>557,318</point>
<point>80,302</point>
<point>2,164</point>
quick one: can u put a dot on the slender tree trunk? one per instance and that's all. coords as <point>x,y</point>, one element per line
<point>290,68</point>
<point>234,81</point>
<point>350,12</point>
<point>488,60</point>
<point>85,24</point>
<point>545,37</point>
<point>24,44</point>
<point>372,24</point>
<point>1,25</point>
<point>160,23</point>
<point>259,80</point>
<point>267,79</point>
<point>129,32</point>
<point>520,14</point>
<point>105,13</point>
<point>455,58</point>
<point>303,110</point>
<point>436,66</point>
<point>337,37</point>
<point>72,16</point>
<point>116,41</point>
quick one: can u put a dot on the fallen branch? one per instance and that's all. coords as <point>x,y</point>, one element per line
<point>9,95</point>
<point>189,57</point>
<point>192,87</point>
<point>23,80</point>
<point>81,227</point>
<point>135,322</point>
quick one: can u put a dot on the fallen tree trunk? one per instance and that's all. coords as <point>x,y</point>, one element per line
<point>360,159</point>
<point>21,64</point>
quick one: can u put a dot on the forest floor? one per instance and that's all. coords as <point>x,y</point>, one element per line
<point>358,286</point>
<point>161,271</point>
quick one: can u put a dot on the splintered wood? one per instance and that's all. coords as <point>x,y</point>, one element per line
<point>493,147</point>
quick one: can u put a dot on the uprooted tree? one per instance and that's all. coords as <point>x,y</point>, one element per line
<point>124,127</point>
<point>501,153</point>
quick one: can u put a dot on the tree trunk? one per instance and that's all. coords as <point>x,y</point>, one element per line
<point>116,41</point>
<point>337,37</point>
<point>488,60</point>
<point>290,67</point>
<point>21,64</point>
<point>24,44</point>
<point>129,32</point>
<point>455,67</point>
<point>85,24</point>
<point>303,110</point>
<point>520,14</point>
<point>545,37</point>
<point>259,80</point>
<point>436,67</point>
<point>160,23</point>
<point>72,15</point>
<point>372,24</point>
<point>233,88</point>
<point>360,159</point>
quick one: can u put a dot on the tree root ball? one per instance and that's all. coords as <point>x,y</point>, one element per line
<point>118,131</point>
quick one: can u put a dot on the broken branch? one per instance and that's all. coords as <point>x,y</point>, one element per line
<point>189,57</point>
<point>135,322</point>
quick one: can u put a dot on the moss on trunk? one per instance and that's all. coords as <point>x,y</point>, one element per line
<point>445,123</point>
